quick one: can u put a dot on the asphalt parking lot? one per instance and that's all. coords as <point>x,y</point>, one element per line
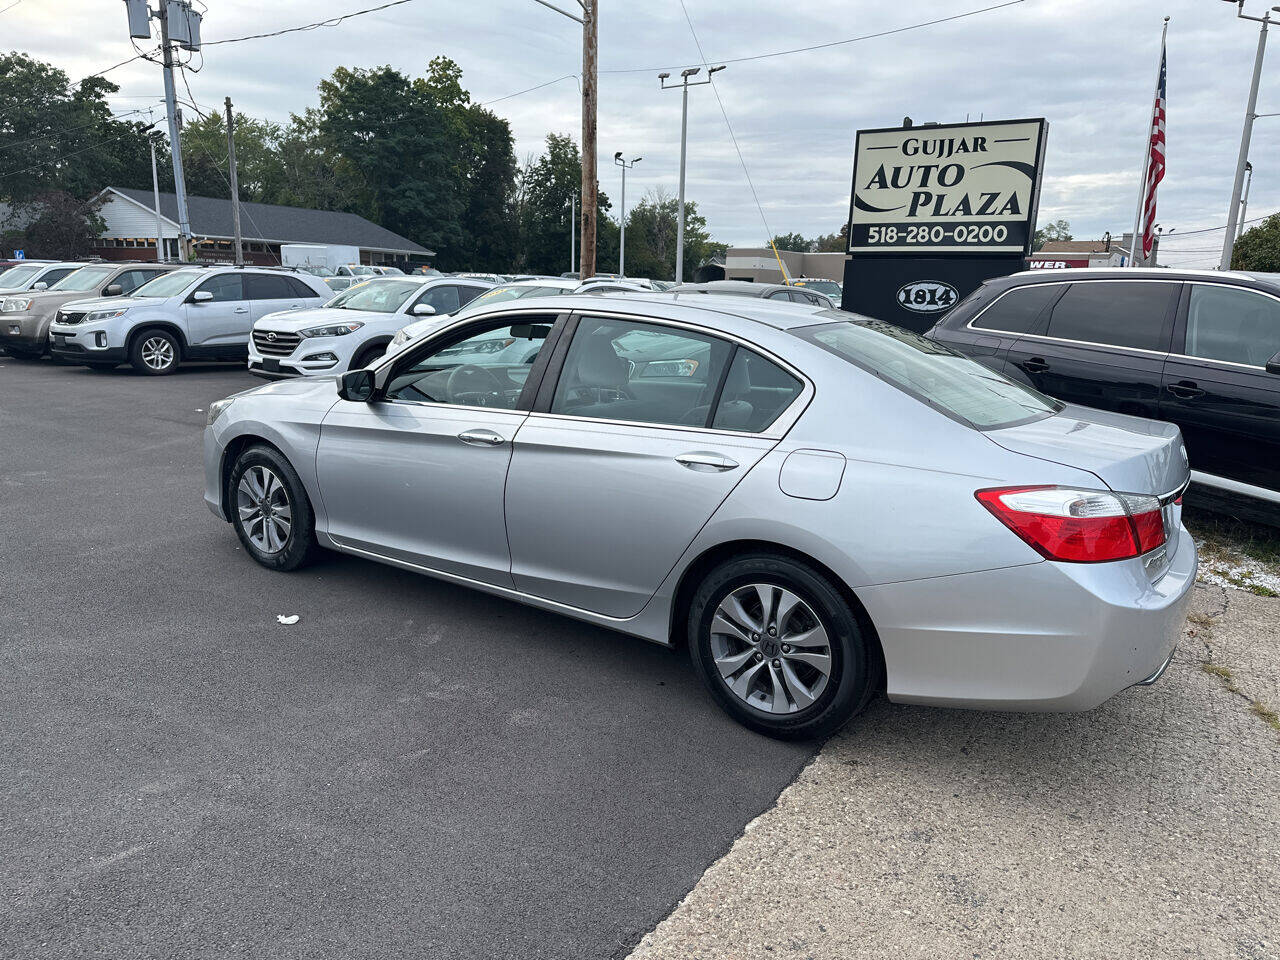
<point>412,769</point>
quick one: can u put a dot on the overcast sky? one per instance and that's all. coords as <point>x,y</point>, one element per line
<point>1088,66</point>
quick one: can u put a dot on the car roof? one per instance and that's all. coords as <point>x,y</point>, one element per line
<point>1270,281</point>
<point>740,287</point>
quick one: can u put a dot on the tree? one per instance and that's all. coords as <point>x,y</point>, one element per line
<point>1056,230</point>
<point>547,185</point>
<point>833,242</point>
<point>61,227</point>
<point>1259,247</point>
<point>794,242</point>
<point>651,237</point>
<point>260,172</point>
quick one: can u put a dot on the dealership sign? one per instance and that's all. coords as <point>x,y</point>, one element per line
<point>967,188</point>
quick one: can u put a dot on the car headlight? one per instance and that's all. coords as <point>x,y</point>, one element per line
<point>333,330</point>
<point>670,368</point>
<point>216,409</point>
<point>16,304</point>
<point>105,315</point>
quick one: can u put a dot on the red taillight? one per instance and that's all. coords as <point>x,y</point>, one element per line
<point>1080,526</point>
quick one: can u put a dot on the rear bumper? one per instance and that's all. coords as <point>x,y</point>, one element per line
<point>1045,636</point>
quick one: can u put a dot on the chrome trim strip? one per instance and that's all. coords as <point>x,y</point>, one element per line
<point>1235,486</point>
<point>1159,670</point>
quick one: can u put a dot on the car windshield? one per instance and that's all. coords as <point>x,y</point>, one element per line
<point>168,285</point>
<point>19,276</point>
<point>829,287</point>
<point>86,278</point>
<point>317,271</point>
<point>376,296</point>
<point>961,388</point>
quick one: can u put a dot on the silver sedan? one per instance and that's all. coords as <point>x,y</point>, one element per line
<point>816,504</point>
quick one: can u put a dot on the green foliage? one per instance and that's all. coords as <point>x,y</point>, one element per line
<point>794,242</point>
<point>651,237</point>
<point>1054,230</point>
<point>260,172</point>
<point>1259,247</point>
<point>543,210</point>
<point>61,227</point>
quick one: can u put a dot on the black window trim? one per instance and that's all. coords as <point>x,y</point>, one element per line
<point>785,419</point>
<point>1087,343</point>
<point>1180,324</point>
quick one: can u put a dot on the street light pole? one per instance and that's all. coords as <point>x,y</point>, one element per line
<point>622,232</point>
<point>684,86</point>
<point>1250,114</point>
<point>573,231</point>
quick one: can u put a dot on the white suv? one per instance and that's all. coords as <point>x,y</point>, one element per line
<point>353,329</point>
<point>196,313</point>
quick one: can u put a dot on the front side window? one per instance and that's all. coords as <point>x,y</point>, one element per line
<point>961,388</point>
<point>225,287</point>
<point>1227,323</point>
<point>51,277</point>
<point>1119,313</point>
<point>1018,310</point>
<point>486,368</point>
<point>131,280</point>
<point>642,372</point>
<point>376,296</point>
<point>444,298</point>
<point>86,278</point>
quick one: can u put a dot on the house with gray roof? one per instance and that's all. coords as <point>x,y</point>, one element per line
<point>131,230</point>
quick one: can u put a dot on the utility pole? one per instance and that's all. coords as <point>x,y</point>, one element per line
<point>175,136</point>
<point>573,231</point>
<point>1250,114</point>
<point>1244,201</point>
<point>684,141</point>
<point>622,235</point>
<point>235,188</point>
<point>155,189</point>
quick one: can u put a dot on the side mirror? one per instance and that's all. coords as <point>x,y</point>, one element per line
<point>424,310</point>
<point>40,286</point>
<point>113,290</point>
<point>201,296</point>
<point>1273,365</point>
<point>356,386</point>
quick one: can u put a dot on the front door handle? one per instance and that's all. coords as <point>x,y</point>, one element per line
<point>242,309</point>
<point>1034,365</point>
<point>1184,389</point>
<point>706,462</point>
<point>482,438</point>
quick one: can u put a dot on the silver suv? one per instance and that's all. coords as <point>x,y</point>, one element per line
<point>25,317</point>
<point>196,313</point>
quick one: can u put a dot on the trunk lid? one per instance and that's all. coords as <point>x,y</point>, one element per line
<point>1128,454</point>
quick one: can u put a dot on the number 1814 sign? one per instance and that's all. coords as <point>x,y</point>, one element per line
<point>958,189</point>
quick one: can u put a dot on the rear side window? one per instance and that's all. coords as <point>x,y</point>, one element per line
<point>1121,313</point>
<point>1238,326</point>
<point>755,393</point>
<point>961,388</point>
<point>266,286</point>
<point>1017,310</point>
<point>300,289</point>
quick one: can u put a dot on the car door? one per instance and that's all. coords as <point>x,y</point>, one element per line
<point>270,293</point>
<point>1216,385</point>
<point>418,474</point>
<point>220,324</point>
<point>612,478</point>
<point>1104,346</point>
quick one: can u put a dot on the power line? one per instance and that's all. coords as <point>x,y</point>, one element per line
<point>82,126</point>
<point>330,22</point>
<point>65,156</point>
<point>140,56</point>
<point>10,6</point>
<point>1212,229</point>
<point>567,76</point>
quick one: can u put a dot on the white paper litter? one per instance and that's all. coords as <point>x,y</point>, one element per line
<point>281,618</point>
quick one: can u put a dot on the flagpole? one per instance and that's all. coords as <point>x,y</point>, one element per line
<point>1136,243</point>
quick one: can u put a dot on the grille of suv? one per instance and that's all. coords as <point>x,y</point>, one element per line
<point>274,343</point>
<point>64,317</point>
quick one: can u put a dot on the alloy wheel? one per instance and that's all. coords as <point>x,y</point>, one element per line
<point>771,649</point>
<point>262,502</point>
<point>158,353</point>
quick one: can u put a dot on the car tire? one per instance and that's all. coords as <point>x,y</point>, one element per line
<point>367,356</point>
<point>155,353</point>
<point>283,536</point>
<point>787,690</point>
<point>17,354</point>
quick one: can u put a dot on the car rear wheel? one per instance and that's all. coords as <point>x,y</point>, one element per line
<point>270,509</point>
<point>779,648</point>
<point>155,352</point>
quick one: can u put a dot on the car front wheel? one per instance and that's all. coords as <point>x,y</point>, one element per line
<point>270,509</point>
<point>779,648</point>
<point>155,352</point>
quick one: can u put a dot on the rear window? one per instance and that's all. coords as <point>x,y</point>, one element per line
<point>961,388</point>
<point>1017,310</point>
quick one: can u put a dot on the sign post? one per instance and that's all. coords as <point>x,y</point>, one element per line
<point>935,211</point>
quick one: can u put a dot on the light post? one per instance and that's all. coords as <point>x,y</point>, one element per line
<point>1250,114</point>
<point>622,233</point>
<point>684,86</point>
<point>1244,201</point>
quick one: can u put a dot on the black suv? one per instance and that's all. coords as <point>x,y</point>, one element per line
<point>1199,349</point>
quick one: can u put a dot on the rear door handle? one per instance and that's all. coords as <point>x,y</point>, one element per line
<point>706,462</point>
<point>1034,365</point>
<point>482,438</point>
<point>1184,389</point>
<point>242,309</point>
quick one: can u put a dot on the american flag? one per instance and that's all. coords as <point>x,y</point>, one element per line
<point>1155,162</point>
